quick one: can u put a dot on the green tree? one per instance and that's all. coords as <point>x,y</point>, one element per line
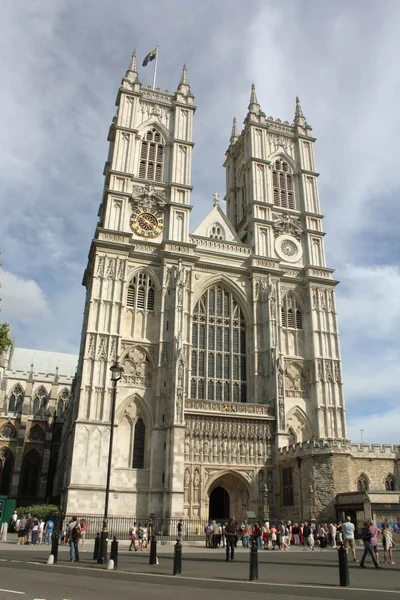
<point>5,341</point>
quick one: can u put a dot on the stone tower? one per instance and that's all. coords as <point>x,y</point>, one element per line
<point>228,336</point>
<point>273,203</point>
<point>135,280</point>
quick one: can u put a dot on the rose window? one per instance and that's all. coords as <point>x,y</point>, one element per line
<point>289,248</point>
<point>7,432</point>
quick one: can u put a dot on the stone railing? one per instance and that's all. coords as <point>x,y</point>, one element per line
<point>221,246</point>
<point>229,408</point>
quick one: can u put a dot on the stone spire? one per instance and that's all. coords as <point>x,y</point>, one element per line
<point>253,95</point>
<point>131,76</point>
<point>184,86</point>
<point>234,134</point>
<point>254,107</point>
<point>132,66</point>
<point>299,117</point>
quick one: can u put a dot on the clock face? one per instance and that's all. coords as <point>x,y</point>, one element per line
<point>147,223</point>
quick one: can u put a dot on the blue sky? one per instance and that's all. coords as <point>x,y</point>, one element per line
<point>62,63</point>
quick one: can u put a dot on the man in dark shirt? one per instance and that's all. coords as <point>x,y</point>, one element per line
<point>230,534</point>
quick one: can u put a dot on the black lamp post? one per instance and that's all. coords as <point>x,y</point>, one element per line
<point>116,374</point>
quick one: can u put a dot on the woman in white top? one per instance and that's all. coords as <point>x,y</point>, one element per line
<point>387,543</point>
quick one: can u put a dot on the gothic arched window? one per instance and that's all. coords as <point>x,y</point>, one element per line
<point>139,445</point>
<point>141,294</point>
<point>218,348</point>
<point>6,470</point>
<point>291,316</point>
<point>152,156</point>
<point>39,402</point>
<point>363,483</point>
<point>390,483</point>
<point>216,232</point>
<point>283,184</point>
<point>15,400</point>
<point>30,477</point>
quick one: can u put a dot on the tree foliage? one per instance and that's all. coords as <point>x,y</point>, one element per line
<point>5,341</point>
<point>41,511</point>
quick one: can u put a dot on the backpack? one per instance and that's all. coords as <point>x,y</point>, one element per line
<point>76,532</point>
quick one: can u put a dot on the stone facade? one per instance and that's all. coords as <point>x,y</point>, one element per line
<point>228,336</point>
<point>34,394</point>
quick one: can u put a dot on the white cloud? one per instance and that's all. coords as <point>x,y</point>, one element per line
<point>62,66</point>
<point>23,302</point>
<point>378,427</point>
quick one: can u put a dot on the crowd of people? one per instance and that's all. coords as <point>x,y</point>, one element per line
<point>302,535</point>
<point>32,530</point>
<point>139,533</point>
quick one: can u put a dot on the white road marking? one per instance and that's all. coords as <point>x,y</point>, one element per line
<point>18,561</point>
<point>30,562</point>
<point>3,560</point>
<point>12,592</point>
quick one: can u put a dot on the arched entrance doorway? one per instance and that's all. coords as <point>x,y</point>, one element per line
<point>219,504</point>
<point>229,495</point>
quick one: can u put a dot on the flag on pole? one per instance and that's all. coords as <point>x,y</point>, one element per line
<point>151,56</point>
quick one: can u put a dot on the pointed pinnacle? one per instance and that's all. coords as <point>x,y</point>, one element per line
<point>184,78</point>
<point>234,134</point>
<point>299,112</point>
<point>132,65</point>
<point>234,128</point>
<point>253,95</point>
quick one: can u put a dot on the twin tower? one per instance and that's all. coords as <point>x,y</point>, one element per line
<point>228,335</point>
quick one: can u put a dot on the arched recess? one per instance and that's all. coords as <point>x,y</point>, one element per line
<point>6,470</point>
<point>281,154</point>
<point>135,421</point>
<point>39,402</point>
<point>30,475</point>
<point>15,400</point>
<point>298,425</point>
<point>149,271</point>
<point>296,380</point>
<point>231,286</point>
<point>237,488</point>
<point>216,231</point>
<point>390,483</point>
<point>144,128</point>
<point>139,366</point>
<point>151,124</point>
<point>220,347</point>
<point>363,483</point>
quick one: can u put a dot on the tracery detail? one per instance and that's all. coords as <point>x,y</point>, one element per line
<point>218,348</point>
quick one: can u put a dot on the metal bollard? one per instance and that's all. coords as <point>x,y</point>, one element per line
<point>344,577</point>
<point>153,551</point>
<point>177,558</point>
<point>54,546</point>
<point>96,551</point>
<point>253,565</point>
<point>114,552</point>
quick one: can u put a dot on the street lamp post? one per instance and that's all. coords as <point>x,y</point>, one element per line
<point>116,374</point>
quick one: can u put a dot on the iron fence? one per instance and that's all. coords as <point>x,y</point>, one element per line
<point>164,529</point>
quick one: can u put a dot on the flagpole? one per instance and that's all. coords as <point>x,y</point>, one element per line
<point>155,70</point>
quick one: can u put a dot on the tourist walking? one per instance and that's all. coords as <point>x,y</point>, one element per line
<point>245,534</point>
<point>375,531</point>
<point>348,537</point>
<point>387,543</point>
<point>230,533</point>
<point>308,536</point>
<point>48,531</point>
<point>366,538</point>
<point>132,537</point>
<point>74,533</point>
<point>35,529</point>
<point>83,526</point>
<point>22,530</point>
